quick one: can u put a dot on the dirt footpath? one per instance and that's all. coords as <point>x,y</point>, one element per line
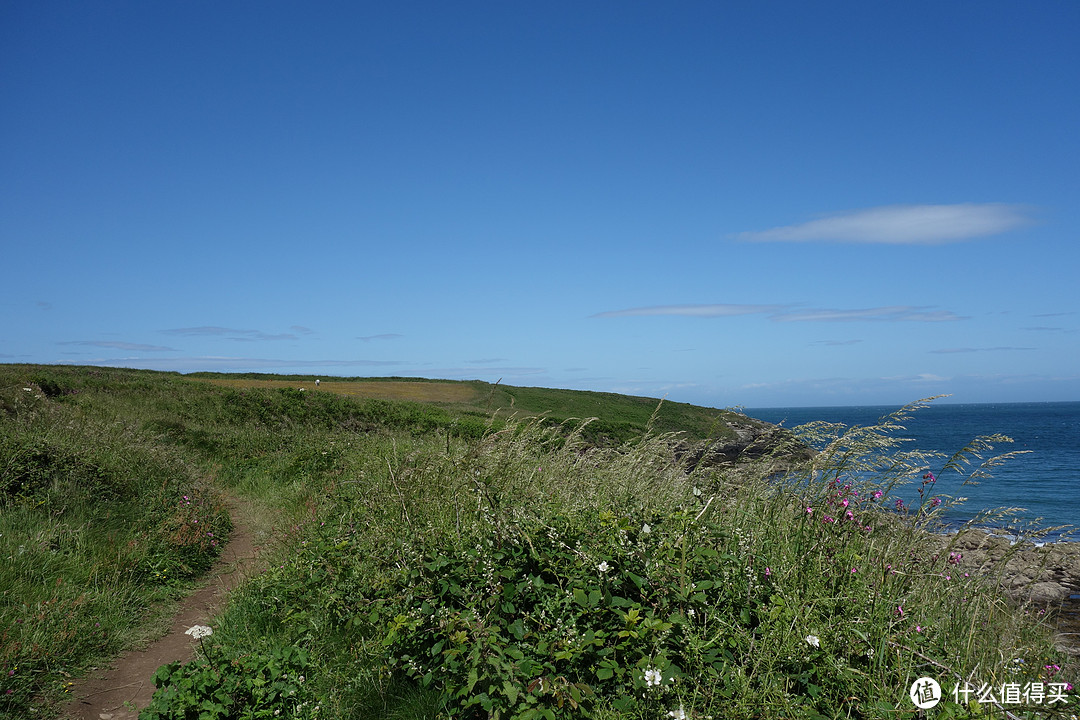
<point>120,691</point>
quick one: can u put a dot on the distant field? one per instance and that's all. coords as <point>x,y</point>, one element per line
<point>426,392</point>
<point>619,416</point>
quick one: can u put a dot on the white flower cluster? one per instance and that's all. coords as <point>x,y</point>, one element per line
<point>653,677</point>
<point>813,641</point>
<point>199,631</point>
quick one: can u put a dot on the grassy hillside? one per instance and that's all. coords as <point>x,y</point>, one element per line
<point>617,417</point>
<point>434,559</point>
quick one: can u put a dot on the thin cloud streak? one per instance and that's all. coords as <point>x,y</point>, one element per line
<point>232,333</point>
<point>902,225</point>
<point>950,351</point>
<point>715,310</point>
<point>384,336</point>
<point>234,364</point>
<point>788,313</point>
<point>896,313</point>
<point>116,345</point>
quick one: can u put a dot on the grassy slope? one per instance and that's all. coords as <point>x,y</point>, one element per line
<point>369,478</point>
<point>617,416</point>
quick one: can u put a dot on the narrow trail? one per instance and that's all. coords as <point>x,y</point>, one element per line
<point>119,691</point>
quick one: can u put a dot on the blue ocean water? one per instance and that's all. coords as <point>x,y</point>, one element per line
<point>1044,481</point>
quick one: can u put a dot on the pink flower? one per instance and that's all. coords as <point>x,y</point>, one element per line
<point>768,572</point>
<point>809,511</point>
<point>852,571</point>
<point>900,610</point>
<point>844,502</point>
<point>877,494</point>
<point>828,519</point>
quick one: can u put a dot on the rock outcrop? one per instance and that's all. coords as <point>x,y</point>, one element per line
<point>1047,576</point>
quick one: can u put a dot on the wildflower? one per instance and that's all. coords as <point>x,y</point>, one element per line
<point>809,511</point>
<point>899,504</point>
<point>652,677</point>
<point>844,502</point>
<point>852,571</point>
<point>849,515</point>
<point>679,714</point>
<point>935,502</point>
<point>603,566</point>
<point>929,477</point>
<point>900,610</point>
<point>768,572</point>
<point>813,641</point>
<point>645,529</point>
<point>828,519</point>
<point>918,628</point>
<point>877,494</point>
<point>199,631</point>
<point>954,558</point>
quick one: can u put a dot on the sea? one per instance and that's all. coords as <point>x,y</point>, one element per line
<point>1044,481</point>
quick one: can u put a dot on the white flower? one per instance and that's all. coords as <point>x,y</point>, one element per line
<point>199,631</point>
<point>645,529</point>
<point>603,566</point>
<point>652,677</point>
<point>813,640</point>
<point>679,714</point>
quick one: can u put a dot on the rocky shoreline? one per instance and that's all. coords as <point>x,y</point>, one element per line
<point>1047,577</point>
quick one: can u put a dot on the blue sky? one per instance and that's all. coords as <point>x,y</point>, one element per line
<point>724,203</point>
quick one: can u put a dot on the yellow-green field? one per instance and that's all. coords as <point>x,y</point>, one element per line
<point>426,392</point>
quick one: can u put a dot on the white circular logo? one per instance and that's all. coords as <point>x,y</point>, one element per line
<point>925,693</point>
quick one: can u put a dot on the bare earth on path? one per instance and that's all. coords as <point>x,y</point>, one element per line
<point>118,692</point>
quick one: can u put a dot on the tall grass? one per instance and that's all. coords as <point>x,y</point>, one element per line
<point>431,563</point>
<point>531,574</point>
<point>99,524</point>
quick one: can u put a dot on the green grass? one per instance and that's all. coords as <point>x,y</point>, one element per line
<point>433,561</point>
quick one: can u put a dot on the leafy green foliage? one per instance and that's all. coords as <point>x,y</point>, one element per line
<point>216,686</point>
<point>537,620</point>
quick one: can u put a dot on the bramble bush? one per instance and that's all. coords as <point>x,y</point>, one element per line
<point>252,686</point>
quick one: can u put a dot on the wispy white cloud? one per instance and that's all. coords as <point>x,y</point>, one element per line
<point>892,313</point>
<point>115,345</point>
<point>714,310</point>
<point>233,334</point>
<point>949,351</point>
<point>384,336</point>
<point>235,364</point>
<point>792,313</point>
<point>902,225</point>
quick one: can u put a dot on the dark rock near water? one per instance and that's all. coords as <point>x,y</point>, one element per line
<point>1047,577</point>
<point>753,440</point>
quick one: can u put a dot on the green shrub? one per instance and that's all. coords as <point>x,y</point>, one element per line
<point>217,686</point>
